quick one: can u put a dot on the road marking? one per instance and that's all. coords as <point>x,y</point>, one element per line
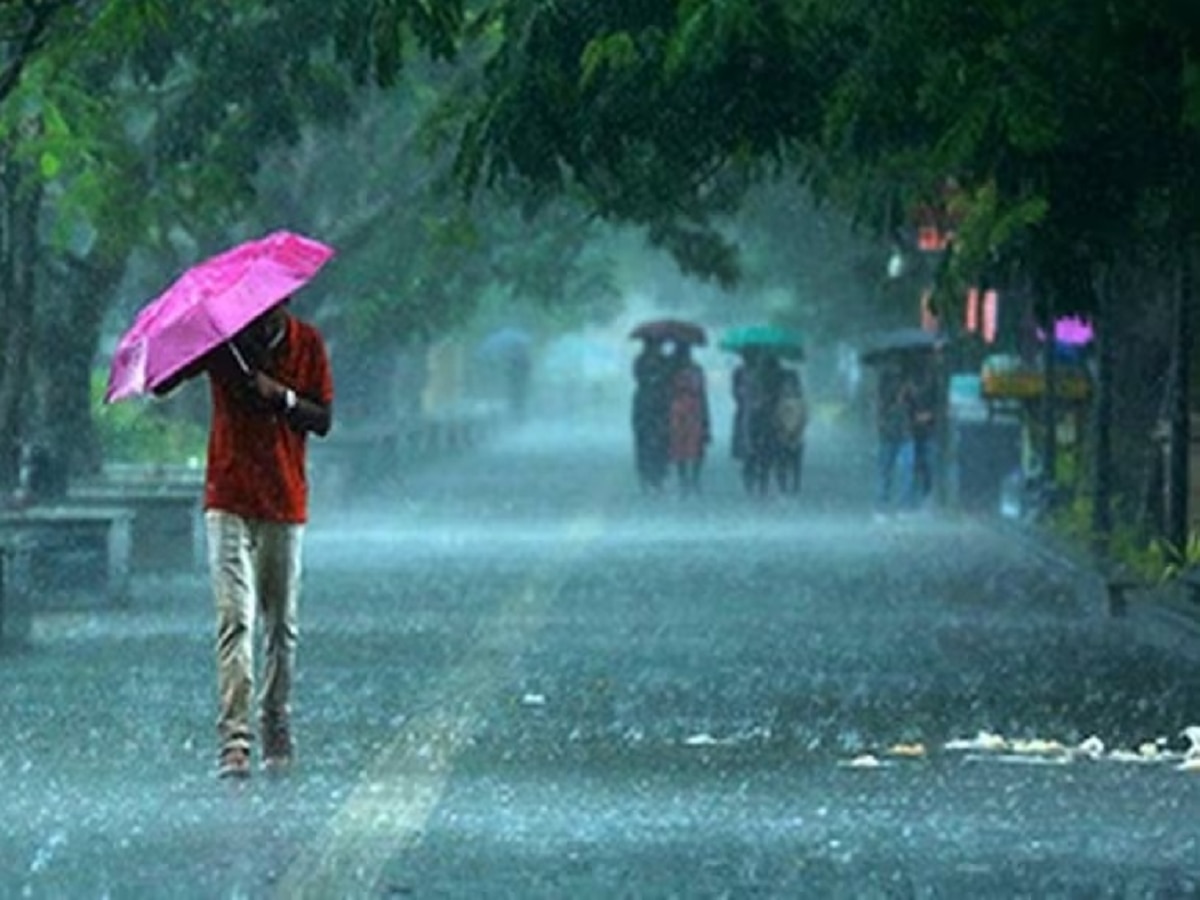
<point>400,788</point>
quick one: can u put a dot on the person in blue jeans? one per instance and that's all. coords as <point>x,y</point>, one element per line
<point>894,427</point>
<point>924,436</point>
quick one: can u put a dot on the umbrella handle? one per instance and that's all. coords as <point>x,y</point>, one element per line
<point>241,360</point>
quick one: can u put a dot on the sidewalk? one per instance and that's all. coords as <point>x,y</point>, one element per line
<point>1166,612</point>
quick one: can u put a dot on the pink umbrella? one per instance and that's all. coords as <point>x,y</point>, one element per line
<point>1072,330</point>
<point>210,303</point>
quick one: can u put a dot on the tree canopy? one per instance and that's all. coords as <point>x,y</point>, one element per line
<point>1060,139</point>
<point>1062,124</point>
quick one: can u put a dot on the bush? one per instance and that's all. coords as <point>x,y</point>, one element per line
<point>1153,560</point>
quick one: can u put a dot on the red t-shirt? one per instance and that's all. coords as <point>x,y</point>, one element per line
<point>256,463</point>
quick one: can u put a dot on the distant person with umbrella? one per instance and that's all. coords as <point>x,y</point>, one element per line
<point>906,410</point>
<point>894,422</point>
<point>510,349</point>
<point>791,423</point>
<point>653,370</point>
<point>651,413</point>
<point>271,386</point>
<point>756,384</point>
<point>690,426</point>
<point>926,405</point>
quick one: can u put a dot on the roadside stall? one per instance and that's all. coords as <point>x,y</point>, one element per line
<point>1018,390</point>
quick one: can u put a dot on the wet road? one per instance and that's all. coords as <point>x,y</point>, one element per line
<point>520,678</point>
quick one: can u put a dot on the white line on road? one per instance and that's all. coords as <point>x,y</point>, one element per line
<point>400,788</point>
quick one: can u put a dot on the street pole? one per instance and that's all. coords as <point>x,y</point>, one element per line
<point>1102,453</point>
<point>1179,446</point>
<point>1050,405</point>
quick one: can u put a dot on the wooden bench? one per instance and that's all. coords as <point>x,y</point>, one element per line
<point>75,556</point>
<point>167,533</point>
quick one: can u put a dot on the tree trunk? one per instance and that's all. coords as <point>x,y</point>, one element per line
<point>66,333</point>
<point>19,205</point>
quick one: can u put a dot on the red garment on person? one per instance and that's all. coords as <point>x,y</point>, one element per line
<point>256,463</point>
<point>688,414</point>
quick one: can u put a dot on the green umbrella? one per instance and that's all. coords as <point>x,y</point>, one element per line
<point>773,339</point>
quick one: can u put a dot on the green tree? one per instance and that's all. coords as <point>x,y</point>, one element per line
<point>134,122</point>
<point>1069,128</point>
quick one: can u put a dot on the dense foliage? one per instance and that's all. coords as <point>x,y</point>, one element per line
<point>1058,137</point>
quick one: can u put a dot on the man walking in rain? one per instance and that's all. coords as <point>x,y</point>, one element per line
<point>270,387</point>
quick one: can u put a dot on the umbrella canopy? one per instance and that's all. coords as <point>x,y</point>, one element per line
<point>678,330</point>
<point>900,342</point>
<point>209,304</point>
<point>505,344</point>
<point>773,339</point>
<point>1072,331</point>
<point>577,357</point>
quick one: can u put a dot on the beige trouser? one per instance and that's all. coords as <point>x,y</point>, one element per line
<point>255,568</point>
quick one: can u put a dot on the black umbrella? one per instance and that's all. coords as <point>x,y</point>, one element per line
<point>900,342</point>
<point>677,330</point>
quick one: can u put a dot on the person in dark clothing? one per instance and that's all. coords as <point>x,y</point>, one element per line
<point>924,434</point>
<point>756,385</point>
<point>651,415</point>
<point>791,421</point>
<point>517,370</point>
<point>739,383</point>
<point>893,420</point>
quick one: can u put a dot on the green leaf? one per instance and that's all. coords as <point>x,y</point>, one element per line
<point>616,52</point>
<point>50,165</point>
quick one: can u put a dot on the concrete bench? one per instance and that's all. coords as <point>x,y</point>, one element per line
<point>15,619</point>
<point>168,522</point>
<point>1119,585</point>
<point>352,461</point>
<point>152,475</point>
<point>1190,579</point>
<point>75,556</point>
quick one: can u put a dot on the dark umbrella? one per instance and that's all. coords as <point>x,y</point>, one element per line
<point>773,339</point>
<point>900,342</point>
<point>676,330</point>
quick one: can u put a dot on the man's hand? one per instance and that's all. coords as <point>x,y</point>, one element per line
<point>301,414</point>
<point>269,388</point>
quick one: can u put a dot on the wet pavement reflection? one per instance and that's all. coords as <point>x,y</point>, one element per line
<point>519,676</point>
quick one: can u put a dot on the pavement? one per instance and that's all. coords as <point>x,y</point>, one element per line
<point>521,678</point>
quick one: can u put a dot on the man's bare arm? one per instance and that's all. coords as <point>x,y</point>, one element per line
<point>187,373</point>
